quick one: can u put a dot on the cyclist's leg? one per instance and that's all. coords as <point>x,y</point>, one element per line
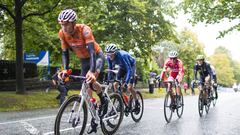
<point>201,83</point>
<point>130,84</point>
<point>63,93</point>
<point>96,86</point>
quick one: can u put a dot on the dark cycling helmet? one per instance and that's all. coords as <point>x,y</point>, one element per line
<point>111,48</point>
<point>200,57</point>
<point>173,54</point>
<point>67,15</point>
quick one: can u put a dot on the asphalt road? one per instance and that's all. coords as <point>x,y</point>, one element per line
<point>223,119</point>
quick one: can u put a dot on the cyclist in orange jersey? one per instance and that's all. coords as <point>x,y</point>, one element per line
<point>79,39</point>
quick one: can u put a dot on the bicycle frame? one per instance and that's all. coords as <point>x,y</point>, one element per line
<point>85,98</point>
<point>172,84</point>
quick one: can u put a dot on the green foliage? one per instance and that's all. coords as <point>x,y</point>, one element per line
<point>231,72</point>
<point>213,11</point>
<point>236,69</point>
<point>223,69</point>
<point>43,72</point>
<point>189,48</point>
<point>133,24</point>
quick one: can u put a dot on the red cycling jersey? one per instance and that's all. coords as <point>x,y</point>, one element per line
<point>176,69</point>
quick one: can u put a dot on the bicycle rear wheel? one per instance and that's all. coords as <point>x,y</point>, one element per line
<point>137,113</point>
<point>68,120</point>
<point>200,104</point>
<point>180,106</point>
<point>112,120</point>
<point>168,107</point>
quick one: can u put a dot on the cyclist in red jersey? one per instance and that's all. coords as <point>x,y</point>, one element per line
<point>79,39</point>
<point>177,70</point>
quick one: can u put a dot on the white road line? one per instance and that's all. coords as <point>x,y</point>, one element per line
<point>66,129</point>
<point>17,121</point>
<point>30,128</point>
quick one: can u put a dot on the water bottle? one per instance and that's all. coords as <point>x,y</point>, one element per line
<point>93,105</point>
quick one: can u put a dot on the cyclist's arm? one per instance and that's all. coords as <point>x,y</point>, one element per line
<point>129,68</point>
<point>89,39</point>
<point>65,58</point>
<point>209,71</point>
<point>195,71</point>
<point>164,69</point>
<point>181,69</point>
<point>110,66</point>
<point>65,51</point>
<point>91,50</point>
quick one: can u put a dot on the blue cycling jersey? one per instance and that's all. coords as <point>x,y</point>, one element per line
<point>125,61</point>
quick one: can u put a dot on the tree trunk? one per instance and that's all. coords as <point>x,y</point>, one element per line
<point>19,48</point>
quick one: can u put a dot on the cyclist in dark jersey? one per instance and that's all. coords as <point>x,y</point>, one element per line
<point>203,68</point>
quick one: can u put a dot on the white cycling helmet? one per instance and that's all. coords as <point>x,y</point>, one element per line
<point>111,48</point>
<point>173,54</point>
<point>67,15</point>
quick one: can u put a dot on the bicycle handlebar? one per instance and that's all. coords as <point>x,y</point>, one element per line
<point>111,70</point>
<point>77,77</point>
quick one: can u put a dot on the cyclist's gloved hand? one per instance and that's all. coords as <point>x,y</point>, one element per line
<point>107,82</point>
<point>62,75</point>
<point>90,77</point>
<point>125,86</point>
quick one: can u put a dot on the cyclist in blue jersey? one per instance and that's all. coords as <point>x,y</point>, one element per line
<point>127,69</point>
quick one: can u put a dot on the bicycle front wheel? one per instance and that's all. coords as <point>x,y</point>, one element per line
<point>69,120</point>
<point>214,98</point>
<point>180,106</point>
<point>137,111</point>
<point>112,120</point>
<point>168,107</point>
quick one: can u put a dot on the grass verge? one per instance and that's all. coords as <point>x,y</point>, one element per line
<point>10,101</point>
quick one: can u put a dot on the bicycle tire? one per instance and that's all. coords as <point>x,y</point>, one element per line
<point>200,104</point>
<point>108,124</point>
<point>166,106</point>
<point>214,98</point>
<point>67,103</point>
<point>207,106</point>
<point>181,107</point>
<point>137,116</point>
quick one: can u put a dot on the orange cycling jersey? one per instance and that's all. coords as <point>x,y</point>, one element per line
<point>77,42</point>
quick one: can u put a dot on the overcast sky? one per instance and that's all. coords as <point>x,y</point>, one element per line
<point>208,34</point>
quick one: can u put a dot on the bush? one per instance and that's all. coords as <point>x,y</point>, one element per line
<point>8,70</point>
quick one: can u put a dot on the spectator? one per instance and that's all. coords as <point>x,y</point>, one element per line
<point>185,87</point>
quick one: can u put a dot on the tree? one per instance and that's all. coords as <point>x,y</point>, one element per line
<point>223,69</point>
<point>236,68</point>
<point>133,24</point>
<point>21,12</point>
<point>213,11</point>
<point>189,48</point>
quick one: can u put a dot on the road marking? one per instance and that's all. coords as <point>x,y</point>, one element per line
<point>30,128</point>
<point>66,129</point>
<point>17,121</point>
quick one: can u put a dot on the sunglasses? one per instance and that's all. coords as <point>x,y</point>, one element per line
<point>110,54</point>
<point>173,58</point>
